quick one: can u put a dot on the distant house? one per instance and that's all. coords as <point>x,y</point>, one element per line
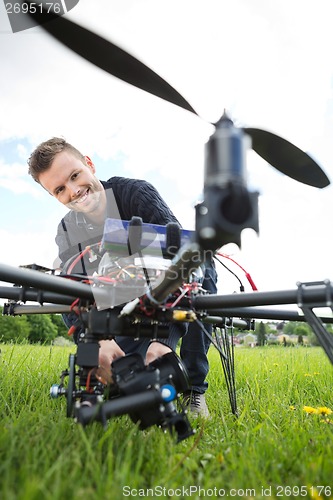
<point>250,340</point>
<point>239,338</point>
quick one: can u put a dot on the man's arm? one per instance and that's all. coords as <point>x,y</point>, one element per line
<point>151,203</point>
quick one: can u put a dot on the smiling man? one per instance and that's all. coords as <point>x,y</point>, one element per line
<point>70,177</point>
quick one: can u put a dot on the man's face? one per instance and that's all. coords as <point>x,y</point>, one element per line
<point>74,184</point>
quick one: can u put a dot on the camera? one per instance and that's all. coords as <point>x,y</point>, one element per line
<point>147,393</point>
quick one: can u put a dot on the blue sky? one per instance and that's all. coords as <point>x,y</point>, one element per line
<point>269,63</point>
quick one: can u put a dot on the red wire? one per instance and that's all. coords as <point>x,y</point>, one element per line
<point>73,306</point>
<point>77,259</point>
<point>248,276</point>
<point>71,330</point>
<point>88,388</point>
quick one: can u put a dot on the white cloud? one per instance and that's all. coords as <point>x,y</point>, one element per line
<point>16,249</point>
<point>14,178</point>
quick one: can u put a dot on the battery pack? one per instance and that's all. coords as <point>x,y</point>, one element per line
<point>129,237</point>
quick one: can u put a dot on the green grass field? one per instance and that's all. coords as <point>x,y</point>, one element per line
<point>274,449</point>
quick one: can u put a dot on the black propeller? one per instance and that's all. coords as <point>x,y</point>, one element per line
<point>109,57</point>
<point>287,158</point>
<point>277,151</point>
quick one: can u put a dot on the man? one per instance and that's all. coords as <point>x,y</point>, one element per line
<point>70,177</point>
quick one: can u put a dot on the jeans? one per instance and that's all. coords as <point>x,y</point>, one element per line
<point>129,344</point>
<point>195,344</point>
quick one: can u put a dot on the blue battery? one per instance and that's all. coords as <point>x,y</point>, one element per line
<point>153,237</point>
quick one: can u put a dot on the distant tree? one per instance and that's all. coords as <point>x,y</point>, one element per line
<point>13,328</point>
<point>59,323</point>
<point>271,328</point>
<point>42,329</point>
<point>261,334</point>
<point>289,327</point>
<point>301,330</point>
<point>293,327</point>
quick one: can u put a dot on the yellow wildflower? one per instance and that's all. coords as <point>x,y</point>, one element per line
<point>309,409</point>
<point>323,410</point>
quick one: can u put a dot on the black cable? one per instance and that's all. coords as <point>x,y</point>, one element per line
<point>241,286</point>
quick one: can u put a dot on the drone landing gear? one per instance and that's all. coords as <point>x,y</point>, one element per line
<point>224,339</point>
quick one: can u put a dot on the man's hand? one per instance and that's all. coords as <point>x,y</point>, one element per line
<point>109,350</point>
<point>156,350</point>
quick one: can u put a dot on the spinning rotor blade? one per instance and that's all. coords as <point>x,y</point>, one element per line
<point>287,158</point>
<point>280,153</point>
<point>109,57</point>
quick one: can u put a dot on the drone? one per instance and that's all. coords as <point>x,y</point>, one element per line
<point>138,294</point>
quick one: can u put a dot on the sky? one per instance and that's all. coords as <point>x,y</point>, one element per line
<point>268,63</point>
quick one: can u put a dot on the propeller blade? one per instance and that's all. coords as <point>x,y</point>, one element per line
<point>287,158</point>
<point>108,56</point>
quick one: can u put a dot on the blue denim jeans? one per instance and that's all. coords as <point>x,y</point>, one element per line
<point>195,344</point>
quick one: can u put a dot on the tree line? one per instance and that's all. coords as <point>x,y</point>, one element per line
<point>33,328</point>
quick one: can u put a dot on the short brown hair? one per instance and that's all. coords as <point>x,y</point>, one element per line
<point>42,157</point>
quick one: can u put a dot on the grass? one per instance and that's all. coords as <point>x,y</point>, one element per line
<point>274,449</point>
